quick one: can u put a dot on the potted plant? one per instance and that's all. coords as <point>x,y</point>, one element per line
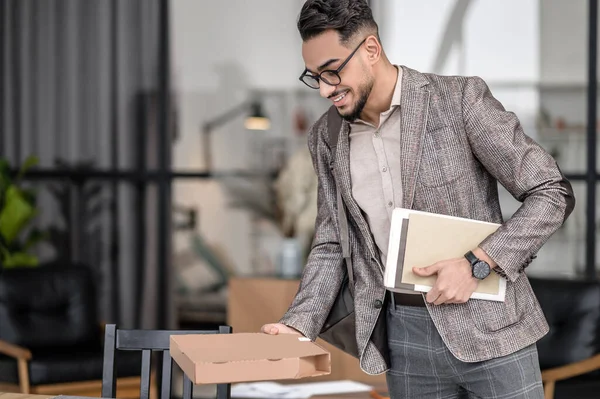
<point>17,211</point>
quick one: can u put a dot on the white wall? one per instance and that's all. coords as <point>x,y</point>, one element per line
<point>500,39</point>
<point>564,48</point>
<point>491,40</point>
<point>259,36</point>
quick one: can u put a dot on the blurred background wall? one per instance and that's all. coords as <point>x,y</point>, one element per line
<point>123,177</point>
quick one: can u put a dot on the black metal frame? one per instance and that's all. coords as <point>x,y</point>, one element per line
<point>114,160</point>
<point>318,77</point>
<point>164,162</point>
<point>591,176</point>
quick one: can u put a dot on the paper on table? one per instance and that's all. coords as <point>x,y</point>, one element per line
<point>296,391</point>
<point>332,387</point>
<point>261,390</point>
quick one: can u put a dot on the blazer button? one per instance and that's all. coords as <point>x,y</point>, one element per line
<point>378,304</point>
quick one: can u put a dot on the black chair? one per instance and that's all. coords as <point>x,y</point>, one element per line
<point>149,341</point>
<point>570,353</point>
<point>51,336</point>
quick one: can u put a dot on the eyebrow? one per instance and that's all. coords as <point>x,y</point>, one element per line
<point>325,64</point>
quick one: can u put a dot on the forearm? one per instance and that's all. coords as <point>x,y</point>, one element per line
<point>324,272</point>
<point>525,169</point>
<point>514,245</point>
<point>318,289</point>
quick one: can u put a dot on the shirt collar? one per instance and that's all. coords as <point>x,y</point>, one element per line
<point>398,89</point>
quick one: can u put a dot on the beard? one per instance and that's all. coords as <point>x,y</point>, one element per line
<point>363,92</point>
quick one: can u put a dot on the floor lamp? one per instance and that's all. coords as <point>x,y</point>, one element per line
<point>255,120</point>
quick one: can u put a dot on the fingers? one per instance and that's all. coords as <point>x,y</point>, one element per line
<point>270,329</point>
<point>426,271</point>
<point>459,299</point>
<point>277,328</point>
<point>453,284</point>
<point>441,299</point>
<point>441,296</point>
<point>433,294</point>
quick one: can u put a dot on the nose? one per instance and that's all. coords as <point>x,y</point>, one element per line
<point>325,89</point>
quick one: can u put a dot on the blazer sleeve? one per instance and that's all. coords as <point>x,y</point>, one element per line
<point>525,169</point>
<point>323,273</point>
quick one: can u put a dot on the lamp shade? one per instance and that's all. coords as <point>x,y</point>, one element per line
<point>257,120</point>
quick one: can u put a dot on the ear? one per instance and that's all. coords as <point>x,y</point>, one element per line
<point>373,48</point>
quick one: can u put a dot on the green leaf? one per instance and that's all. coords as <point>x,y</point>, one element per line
<point>31,160</point>
<point>20,259</point>
<point>15,215</point>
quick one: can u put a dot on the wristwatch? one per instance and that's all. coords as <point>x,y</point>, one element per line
<point>480,269</point>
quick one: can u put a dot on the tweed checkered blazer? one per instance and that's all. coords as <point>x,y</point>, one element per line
<point>457,142</point>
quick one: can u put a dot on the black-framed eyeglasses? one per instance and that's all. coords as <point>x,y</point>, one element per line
<point>330,77</point>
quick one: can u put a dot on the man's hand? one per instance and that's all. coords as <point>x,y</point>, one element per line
<point>455,282</point>
<point>278,328</point>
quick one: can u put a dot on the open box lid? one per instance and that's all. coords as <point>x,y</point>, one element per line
<point>241,357</point>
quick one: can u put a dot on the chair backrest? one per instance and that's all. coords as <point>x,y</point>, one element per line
<point>148,341</point>
<point>50,306</point>
<point>572,309</point>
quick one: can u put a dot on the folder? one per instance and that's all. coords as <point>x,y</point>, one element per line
<point>419,239</point>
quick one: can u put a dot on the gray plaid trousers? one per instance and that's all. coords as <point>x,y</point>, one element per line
<point>422,367</point>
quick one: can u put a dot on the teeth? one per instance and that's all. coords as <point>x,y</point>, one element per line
<point>340,97</point>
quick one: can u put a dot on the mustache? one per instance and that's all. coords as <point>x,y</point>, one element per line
<point>338,93</point>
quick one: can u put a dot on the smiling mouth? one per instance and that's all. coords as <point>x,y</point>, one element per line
<point>339,97</point>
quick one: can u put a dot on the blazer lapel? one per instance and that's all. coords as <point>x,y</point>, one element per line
<point>341,171</point>
<point>414,107</point>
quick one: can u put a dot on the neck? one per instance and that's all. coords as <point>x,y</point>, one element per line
<point>380,98</point>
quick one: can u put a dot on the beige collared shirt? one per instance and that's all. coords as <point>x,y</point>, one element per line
<point>375,169</point>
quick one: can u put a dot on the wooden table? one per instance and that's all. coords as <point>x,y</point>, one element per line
<point>24,396</point>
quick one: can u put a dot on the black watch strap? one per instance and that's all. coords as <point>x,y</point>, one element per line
<point>471,258</point>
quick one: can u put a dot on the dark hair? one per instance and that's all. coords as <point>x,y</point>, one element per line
<point>347,17</point>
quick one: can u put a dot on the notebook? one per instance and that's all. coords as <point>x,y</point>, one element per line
<point>420,239</point>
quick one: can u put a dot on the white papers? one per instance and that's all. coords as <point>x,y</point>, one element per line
<point>296,391</point>
<point>261,390</point>
<point>333,387</point>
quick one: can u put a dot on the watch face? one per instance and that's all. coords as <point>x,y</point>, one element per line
<point>481,270</point>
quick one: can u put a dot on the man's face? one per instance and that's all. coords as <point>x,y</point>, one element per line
<point>325,52</point>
